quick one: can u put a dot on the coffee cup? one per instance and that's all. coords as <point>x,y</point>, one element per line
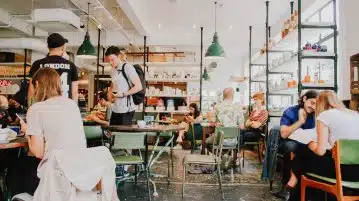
<point>141,123</point>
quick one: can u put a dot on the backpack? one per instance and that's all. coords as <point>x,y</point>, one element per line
<point>138,97</point>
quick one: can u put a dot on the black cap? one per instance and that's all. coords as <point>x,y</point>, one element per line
<point>56,40</point>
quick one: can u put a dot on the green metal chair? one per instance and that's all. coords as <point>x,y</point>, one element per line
<point>212,159</point>
<point>231,133</point>
<point>160,149</point>
<point>344,153</point>
<point>130,141</point>
<point>94,134</point>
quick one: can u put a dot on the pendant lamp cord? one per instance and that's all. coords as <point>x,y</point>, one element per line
<point>88,15</point>
<point>215,16</point>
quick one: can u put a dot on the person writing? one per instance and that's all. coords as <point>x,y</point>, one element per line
<point>123,107</point>
<point>57,59</point>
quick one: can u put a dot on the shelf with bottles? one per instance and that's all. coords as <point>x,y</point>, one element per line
<point>320,75</point>
<point>183,74</point>
<point>288,63</point>
<point>172,90</point>
<point>287,39</point>
<point>170,108</point>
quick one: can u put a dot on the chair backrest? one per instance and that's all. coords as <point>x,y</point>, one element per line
<point>218,144</point>
<point>228,132</point>
<point>126,140</point>
<point>93,132</point>
<point>348,154</point>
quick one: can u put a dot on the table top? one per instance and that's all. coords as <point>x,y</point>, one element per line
<point>150,128</point>
<point>18,142</point>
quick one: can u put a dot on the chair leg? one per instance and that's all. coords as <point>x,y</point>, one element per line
<point>259,154</point>
<point>172,161</point>
<point>243,157</point>
<point>148,184</point>
<point>184,179</point>
<point>168,170</point>
<point>325,196</point>
<point>302,190</point>
<point>136,175</point>
<point>220,180</point>
<point>271,185</point>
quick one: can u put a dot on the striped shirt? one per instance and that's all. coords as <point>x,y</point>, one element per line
<point>259,116</point>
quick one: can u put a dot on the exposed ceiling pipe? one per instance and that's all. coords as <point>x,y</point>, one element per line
<point>110,23</point>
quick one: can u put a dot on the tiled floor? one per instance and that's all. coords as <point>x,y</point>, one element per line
<point>245,187</point>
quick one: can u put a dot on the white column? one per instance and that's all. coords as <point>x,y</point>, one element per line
<point>348,43</point>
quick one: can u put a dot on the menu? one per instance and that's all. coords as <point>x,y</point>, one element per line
<point>304,135</point>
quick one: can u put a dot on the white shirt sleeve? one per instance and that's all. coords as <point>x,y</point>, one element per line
<point>130,72</point>
<point>327,117</point>
<point>34,125</point>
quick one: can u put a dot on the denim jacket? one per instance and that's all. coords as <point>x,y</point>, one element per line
<point>270,161</point>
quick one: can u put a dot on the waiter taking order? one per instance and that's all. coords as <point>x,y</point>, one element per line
<point>58,59</point>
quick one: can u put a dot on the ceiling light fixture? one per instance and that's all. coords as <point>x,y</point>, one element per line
<point>215,50</point>
<point>205,75</point>
<point>159,26</point>
<point>87,50</point>
<point>194,26</point>
<point>231,27</point>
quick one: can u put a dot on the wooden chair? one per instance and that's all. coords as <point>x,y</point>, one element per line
<point>344,153</point>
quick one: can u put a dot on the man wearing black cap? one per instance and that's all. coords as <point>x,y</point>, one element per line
<point>57,60</point>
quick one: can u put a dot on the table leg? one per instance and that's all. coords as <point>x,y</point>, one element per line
<point>203,141</point>
<point>172,157</point>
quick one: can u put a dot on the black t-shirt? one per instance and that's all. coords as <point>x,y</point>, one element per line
<point>66,69</point>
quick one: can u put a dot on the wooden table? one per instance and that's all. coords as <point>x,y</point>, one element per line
<point>17,143</point>
<point>207,129</point>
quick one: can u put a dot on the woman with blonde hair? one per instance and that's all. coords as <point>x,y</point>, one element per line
<point>333,122</point>
<point>55,127</point>
<point>54,121</point>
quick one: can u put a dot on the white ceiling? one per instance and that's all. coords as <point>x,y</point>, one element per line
<point>178,17</point>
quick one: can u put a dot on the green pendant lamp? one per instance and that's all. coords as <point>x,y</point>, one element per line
<point>87,50</point>
<point>205,75</point>
<point>215,51</point>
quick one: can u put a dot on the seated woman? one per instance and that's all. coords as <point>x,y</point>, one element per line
<point>194,115</point>
<point>101,111</point>
<point>316,157</point>
<point>253,127</point>
<point>53,123</point>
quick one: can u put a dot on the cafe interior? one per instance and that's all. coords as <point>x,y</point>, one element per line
<point>179,100</point>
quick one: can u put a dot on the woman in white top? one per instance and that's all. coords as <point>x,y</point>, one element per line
<point>54,122</point>
<point>333,122</point>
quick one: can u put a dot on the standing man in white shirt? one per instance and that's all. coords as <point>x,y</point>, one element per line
<point>121,90</point>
